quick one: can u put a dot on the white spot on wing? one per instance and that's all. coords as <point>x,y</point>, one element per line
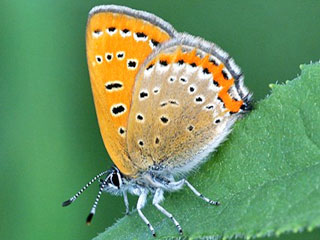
<point>178,67</point>
<point>234,93</point>
<point>190,69</point>
<point>111,31</point>
<point>225,70</point>
<point>99,59</point>
<point>97,33</point>
<point>125,34</point>
<point>160,69</point>
<point>212,86</point>
<point>203,75</point>
<point>108,56</point>
<point>138,37</point>
<point>214,60</point>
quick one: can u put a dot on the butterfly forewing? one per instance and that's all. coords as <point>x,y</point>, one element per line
<point>119,39</point>
<point>185,100</point>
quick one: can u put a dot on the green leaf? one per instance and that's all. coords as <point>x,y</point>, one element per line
<point>266,176</point>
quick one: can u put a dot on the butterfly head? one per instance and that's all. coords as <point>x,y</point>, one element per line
<point>114,182</point>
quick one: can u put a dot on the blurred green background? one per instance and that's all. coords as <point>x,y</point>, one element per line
<point>50,141</point>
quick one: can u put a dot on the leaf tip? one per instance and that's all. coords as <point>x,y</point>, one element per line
<point>271,85</point>
<point>301,66</point>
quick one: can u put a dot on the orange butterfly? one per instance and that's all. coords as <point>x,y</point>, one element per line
<point>164,101</point>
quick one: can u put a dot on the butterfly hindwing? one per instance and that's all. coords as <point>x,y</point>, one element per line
<point>186,97</point>
<point>118,41</point>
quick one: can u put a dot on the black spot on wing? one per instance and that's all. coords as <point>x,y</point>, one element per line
<point>113,86</point>
<point>154,42</point>
<point>118,109</point>
<point>141,35</point>
<point>163,63</point>
<point>164,119</point>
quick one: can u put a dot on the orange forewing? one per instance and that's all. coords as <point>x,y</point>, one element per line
<point>105,71</point>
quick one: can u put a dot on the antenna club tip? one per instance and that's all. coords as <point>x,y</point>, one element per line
<point>89,218</point>
<point>67,203</point>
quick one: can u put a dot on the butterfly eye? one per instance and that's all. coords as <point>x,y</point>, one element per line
<point>115,180</point>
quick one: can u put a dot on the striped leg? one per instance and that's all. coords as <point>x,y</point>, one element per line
<point>72,199</point>
<point>126,202</point>
<point>93,209</point>
<point>158,197</point>
<point>140,204</point>
<point>200,195</point>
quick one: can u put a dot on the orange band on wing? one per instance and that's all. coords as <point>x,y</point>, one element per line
<point>217,72</point>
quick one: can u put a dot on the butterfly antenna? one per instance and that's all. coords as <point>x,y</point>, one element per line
<point>93,209</point>
<point>72,199</point>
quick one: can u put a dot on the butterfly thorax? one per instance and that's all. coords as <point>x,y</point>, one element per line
<point>116,183</point>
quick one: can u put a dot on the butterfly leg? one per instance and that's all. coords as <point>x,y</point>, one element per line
<point>200,195</point>
<point>126,202</point>
<point>174,186</point>
<point>140,204</point>
<point>158,197</point>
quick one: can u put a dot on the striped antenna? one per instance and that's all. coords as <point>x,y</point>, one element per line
<point>71,200</point>
<point>93,209</point>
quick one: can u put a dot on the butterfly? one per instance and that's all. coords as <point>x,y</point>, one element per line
<point>164,101</point>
